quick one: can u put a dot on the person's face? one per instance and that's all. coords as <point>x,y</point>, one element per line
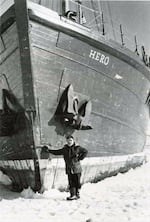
<point>70,141</point>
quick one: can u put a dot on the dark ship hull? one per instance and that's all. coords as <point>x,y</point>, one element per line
<point>41,54</point>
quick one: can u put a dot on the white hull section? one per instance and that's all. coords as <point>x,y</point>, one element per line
<point>94,169</point>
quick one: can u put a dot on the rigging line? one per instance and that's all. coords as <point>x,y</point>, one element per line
<point>90,23</point>
<point>111,20</point>
<point>125,31</point>
<point>101,13</point>
<point>125,36</point>
<point>91,26</point>
<point>92,2</point>
<point>130,41</point>
<point>116,22</point>
<point>83,6</point>
<point>99,6</point>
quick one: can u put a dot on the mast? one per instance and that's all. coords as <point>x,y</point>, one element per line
<point>111,20</point>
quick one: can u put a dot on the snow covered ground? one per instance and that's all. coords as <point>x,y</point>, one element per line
<point>125,197</point>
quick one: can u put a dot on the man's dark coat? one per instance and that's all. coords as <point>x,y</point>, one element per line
<point>72,156</point>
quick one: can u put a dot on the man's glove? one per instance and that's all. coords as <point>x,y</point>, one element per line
<point>45,149</point>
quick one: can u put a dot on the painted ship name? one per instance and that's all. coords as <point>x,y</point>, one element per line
<point>99,57</point>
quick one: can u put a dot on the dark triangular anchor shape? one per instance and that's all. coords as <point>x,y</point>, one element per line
<point>12,116</point>
<point>84,114</point>
<point>70,114</point>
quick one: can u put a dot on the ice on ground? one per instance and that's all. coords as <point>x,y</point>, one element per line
<point>125,197</point>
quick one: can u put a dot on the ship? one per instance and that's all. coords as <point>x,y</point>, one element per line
<point>62,75</point>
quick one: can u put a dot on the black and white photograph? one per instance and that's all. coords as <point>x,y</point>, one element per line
<point>74,111</point>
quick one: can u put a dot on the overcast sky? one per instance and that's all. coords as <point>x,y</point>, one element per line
<point>135,19</point>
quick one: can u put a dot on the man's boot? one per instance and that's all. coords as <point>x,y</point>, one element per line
<point>77,193</point>
<point>72,194</point>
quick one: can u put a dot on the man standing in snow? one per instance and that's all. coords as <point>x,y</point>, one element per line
<point>72,154</point>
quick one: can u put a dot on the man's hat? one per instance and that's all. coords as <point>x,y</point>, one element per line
<point>69,136</point>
